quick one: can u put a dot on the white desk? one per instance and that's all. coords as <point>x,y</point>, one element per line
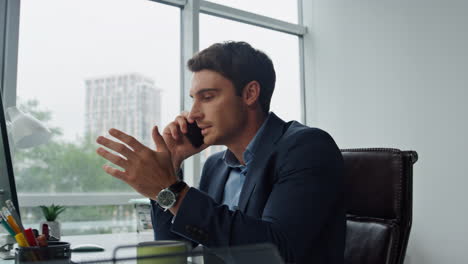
<point>107,241</point>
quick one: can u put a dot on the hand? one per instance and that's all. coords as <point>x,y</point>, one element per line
<point>176,141</point>
<point>146,170</point>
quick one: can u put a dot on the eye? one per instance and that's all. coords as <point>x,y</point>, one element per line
<point>207,97</point>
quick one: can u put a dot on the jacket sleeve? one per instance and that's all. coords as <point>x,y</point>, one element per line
<point>308,182</point>
<point>162,222</point>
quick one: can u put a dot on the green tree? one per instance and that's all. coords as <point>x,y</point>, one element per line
<point>60,166</point>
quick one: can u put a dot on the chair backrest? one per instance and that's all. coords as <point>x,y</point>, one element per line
<point>378,197</point>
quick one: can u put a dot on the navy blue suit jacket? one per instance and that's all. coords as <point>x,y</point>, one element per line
<point>292,197</point>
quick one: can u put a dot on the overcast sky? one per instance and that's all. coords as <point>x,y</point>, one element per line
<point>63,42</point>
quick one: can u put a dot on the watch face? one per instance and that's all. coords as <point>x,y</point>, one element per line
<point>166,198</point>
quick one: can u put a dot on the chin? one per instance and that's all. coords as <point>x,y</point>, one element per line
<point>207,140</point>
<point>210,140</point>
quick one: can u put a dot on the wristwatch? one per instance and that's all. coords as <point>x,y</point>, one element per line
<point>167,197</point>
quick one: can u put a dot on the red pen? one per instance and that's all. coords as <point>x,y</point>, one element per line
<point>30,237</point>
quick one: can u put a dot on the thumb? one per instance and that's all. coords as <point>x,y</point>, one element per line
<point>159,141</point>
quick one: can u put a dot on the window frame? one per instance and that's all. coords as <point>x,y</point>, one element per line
<point>9,30</point>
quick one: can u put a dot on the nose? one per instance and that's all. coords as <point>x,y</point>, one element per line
<point>195,113</point>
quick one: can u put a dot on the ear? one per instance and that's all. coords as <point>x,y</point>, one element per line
<point>251,93</point>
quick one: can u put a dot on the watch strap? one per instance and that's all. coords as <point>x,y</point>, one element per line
<point>177,187</point>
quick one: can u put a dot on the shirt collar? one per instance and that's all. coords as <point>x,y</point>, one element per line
<point>248,155</point>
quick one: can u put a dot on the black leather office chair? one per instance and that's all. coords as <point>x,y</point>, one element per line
<point>379,184</point>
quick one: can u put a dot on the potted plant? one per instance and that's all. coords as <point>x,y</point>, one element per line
<point>51,213</point>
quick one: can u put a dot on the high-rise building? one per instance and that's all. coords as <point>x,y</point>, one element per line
<point>128,102</point>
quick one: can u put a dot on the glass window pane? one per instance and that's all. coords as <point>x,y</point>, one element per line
<point>81,220</point>
<point>279,9</point>
<point>283,49</point>
<point>84,67</point>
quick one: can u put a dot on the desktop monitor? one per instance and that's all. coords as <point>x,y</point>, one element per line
<point>7,180</point>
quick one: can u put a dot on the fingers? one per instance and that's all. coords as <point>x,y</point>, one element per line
<point>173,131</point>
<point>187,117</point>
<point>129,140</point>
<point>178,127</point>
<point>159,141</point>
<point>117,147</point>
<point>115,172</point>
<point>117,160</point>
<point>182,121</point>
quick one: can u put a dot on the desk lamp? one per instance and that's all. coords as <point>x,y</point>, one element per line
<point>26,131</point>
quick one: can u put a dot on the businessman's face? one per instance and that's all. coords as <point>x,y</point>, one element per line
<point>217,109</point>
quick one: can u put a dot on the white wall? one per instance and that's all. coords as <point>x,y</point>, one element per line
<point>394,73</point>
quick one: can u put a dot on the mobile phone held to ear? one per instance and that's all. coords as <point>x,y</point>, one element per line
<point>194,134</point>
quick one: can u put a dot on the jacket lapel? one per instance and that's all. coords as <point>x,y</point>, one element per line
<point>272,132</point>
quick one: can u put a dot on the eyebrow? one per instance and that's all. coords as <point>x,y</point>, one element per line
<point>204,90</point>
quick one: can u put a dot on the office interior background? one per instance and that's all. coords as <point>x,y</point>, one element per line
<point>371,73</point>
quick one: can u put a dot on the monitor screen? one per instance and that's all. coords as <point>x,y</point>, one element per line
<point>7,180</point>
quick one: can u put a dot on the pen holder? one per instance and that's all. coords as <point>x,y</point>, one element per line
<point>55,253</point>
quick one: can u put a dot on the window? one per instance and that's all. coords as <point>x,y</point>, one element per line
<point>84,67</point>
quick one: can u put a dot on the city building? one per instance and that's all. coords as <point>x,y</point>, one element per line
<point>129,102</point>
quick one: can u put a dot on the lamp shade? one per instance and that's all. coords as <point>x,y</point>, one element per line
<point>26,130</point>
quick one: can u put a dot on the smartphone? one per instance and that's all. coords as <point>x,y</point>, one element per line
<point>194,134</point>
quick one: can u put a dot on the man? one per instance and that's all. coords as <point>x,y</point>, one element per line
<point>277,182</point>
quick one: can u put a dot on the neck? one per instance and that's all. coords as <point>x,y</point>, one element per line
<point>253,124</point>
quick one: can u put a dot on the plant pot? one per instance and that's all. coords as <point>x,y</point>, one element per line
<point>54,228</point>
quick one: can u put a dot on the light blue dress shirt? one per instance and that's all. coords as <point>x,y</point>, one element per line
<point>237,174</point>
